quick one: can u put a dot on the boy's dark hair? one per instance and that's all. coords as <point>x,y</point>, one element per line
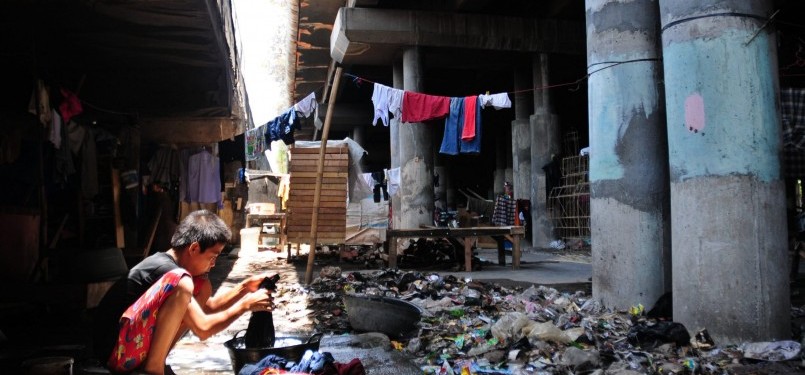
<point>203,227</point>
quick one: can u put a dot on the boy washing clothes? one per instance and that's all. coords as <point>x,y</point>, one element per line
<point>143,316</point>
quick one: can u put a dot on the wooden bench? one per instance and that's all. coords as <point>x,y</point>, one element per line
<point>468,235</point>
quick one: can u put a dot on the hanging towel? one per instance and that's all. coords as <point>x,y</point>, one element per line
<point>472,146</point>
<point>451,125</point>
<point>497,101</point>
<point>421,107</point>
<point>468,129</point>
<point>307,105</point>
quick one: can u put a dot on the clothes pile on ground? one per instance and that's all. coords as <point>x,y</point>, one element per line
<point>471,327</point>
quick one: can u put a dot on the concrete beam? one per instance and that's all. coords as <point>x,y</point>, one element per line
<point>376,36</point>
<point>190,130</point>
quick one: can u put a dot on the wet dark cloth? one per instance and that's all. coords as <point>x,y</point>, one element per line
<point>282,128</point>
<point>553,176</point>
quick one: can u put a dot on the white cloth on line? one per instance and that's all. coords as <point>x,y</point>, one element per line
<point>380,99</point>
<point>498,101</point>
<point>307,105</point>
<point>393,180</point>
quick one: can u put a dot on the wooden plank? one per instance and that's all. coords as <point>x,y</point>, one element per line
<point>306,234</point>
<point>295,157</point>
<point>315,150</point>
<point>322,228</point>
<point>334,187</point>
<point>294,204</point>
<point>325,174</point>
<point>322,221</point>
<point>306,187</point>
<point>324,198</point>
<point>327,163</point>
<point>120,240</point>
<point>313,168</point>
<point>322,210</point>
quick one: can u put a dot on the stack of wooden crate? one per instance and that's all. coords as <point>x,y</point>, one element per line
<point>332,219</point>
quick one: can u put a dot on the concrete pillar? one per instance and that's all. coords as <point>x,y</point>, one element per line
<point>628,159</point>
<point>545,142</point>
<point>500,163</point>
<point>440,182</point>
<point>521,134</point>
<point>728,200</point>
<point>508,173</point>
<point>416,155</point>
<point>394,143</point>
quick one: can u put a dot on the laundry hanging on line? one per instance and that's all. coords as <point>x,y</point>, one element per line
<point>281,127</point>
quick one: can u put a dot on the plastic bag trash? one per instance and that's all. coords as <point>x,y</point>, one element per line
<point>509,327</point>
<point>771,350</point>
<point>549,332</point>
<point>557,244</point>
<point>650,336</point>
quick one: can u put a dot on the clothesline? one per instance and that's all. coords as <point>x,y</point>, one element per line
<point>572,83</point>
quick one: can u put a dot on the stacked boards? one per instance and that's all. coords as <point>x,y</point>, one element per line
<point>332,219</point>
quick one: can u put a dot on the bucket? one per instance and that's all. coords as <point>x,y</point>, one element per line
<point>48,366</point>
<point>249,238</point>
<point>292,349</point>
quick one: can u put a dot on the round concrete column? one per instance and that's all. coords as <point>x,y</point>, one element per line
<point>628,158</point>
<point>521,133</point>
<point>728,201</point>
<point>416,155</point>
<point>545,141</point>
<point>500,163</point>
<point>394,144</point>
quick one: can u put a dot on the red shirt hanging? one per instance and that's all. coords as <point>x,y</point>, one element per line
<point>422,107</point>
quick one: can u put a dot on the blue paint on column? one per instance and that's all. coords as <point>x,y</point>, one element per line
<point>738,133</point>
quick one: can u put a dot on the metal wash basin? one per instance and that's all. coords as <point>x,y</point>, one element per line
<point>393,317</point>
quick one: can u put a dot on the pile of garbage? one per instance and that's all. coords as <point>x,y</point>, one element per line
<point>471,327</point>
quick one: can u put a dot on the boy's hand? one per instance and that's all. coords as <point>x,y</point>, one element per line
<point>259,300</point>
<point>252,284</point>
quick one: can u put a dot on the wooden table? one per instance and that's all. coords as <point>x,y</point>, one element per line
<point>469,235</point>
<point>276,219</point>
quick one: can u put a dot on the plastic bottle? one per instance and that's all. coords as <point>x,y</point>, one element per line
<point>260,333</point>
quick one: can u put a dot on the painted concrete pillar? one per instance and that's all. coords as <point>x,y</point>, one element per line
<point>629,155</point>
<point>416,155</point>
<point>521,133</point>
<point>728,200</point>
<point>394,143</point>
<point>508,173</point>
<point>545,141</point>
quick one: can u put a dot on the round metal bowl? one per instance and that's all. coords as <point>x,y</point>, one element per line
<point>241,355</point>
<point>393,317</point>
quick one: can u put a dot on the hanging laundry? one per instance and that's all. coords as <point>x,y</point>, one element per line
<point>380,100</point>
<point>451,126</point>
<point>422,107</point>
<point>307,105</point>
<point>282,128</point>
<point>396,102</point>
<point>393,177</point>
<point>472,146</point>
<point>54,135</point>
<point>39,105</point>
<point>452,144</point>
<point>379,185</point>
<point>468,131</point>
<point>498,101</point>
<point>284,190</point>
<point>204,179</point>
<point>255,143</point>
<point>70,106</point>
<point>165,167</point>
